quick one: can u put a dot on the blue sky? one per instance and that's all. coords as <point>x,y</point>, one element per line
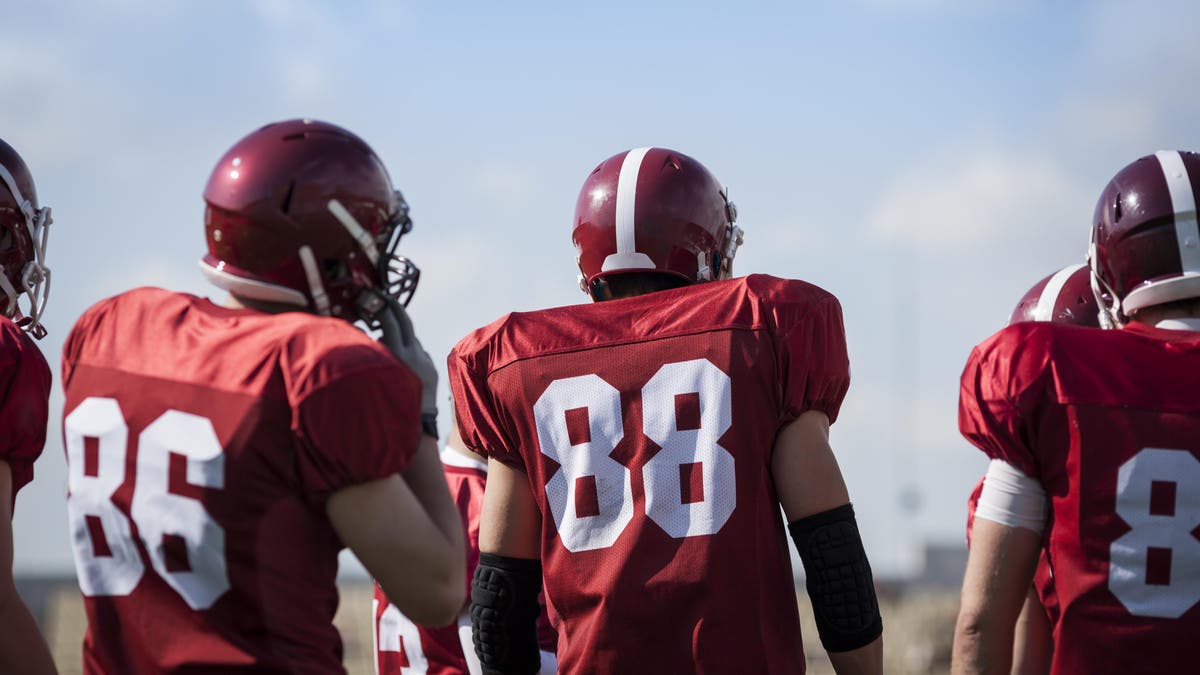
<point>925,160</point>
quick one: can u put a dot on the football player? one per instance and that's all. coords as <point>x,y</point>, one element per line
<point>1095,442</point>
<point>1063,297</point>
<point>404,648</point>
<point>25,383</point>
<point>639,449</point>
<point>220,457</point>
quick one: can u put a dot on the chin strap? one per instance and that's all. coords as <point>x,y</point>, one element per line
<point>1110,314</point>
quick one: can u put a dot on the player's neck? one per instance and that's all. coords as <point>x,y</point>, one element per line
<point>236,302</point>
<point>1152,316</point>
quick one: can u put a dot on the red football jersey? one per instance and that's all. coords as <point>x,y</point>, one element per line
<point>1043,578</point>
<point>202,443</point>
<point>25,383</point>
<point>404,648</point>
<point>646,427</point>
<point>1109,423</point>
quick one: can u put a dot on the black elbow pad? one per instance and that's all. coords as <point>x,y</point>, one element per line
<point>504,611</point>
<point>838,578</point>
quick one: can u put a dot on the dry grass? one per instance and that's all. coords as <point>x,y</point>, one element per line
<point>918,628</point>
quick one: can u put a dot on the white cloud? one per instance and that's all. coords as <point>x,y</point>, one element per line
<point>510,185</point>
<point>1128,125</point>
<point>1134,91</point>
<point>43,95</point>
<point>973,197</point>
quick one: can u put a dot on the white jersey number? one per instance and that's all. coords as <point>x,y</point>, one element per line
<point>688,447</point>
<point>397,634</point>
<point>1166,536</point>
<point>106,557</point>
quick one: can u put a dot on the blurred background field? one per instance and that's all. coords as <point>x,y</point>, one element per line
<point>918,624</point>
<point>924,160</point>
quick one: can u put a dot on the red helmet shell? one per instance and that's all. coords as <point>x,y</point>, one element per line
<point>13,219</point>
<point>301,212</point>
<point>653,209</point>
<point>23,229</point>
<point>1063,297</point>
<point>1145,243</point>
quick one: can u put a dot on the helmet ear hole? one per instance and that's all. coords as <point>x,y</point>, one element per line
<point>287,198</point>
<point>335,270</point>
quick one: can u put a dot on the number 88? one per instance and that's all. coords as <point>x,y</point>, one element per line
<point>662,474</point>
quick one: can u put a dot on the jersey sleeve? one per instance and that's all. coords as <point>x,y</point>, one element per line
<point>813,363</point>
<point>477,412</point>
<point>1000,395</point>
<point>360,423</point>
<point>80,332</point>
<point>25,387</point>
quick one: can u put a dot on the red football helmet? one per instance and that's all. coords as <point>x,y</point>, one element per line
<point>1063,297</point>
<point>24,228</point>
<point>304,213</point>
<point>653,209</point>
<point>1145,247</point>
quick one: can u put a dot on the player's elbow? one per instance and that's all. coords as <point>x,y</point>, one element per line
<point>442,608</point>
<point>10,601</point>
<point>433,600</point>
<point>972,623</point>
<point>976,641</point>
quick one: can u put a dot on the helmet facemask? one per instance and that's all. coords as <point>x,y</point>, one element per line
<point>34,279</point>
<point>397,276</point>
<point>733,240</point>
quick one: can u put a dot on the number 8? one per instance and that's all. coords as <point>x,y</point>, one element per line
<point>589,455</point>
<point>614,490</point>
<point>663,474</point>
<point>1169,533</point>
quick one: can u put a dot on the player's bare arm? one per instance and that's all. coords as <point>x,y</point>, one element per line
<point>999,572</point>
<point>504,605</point>
<point>1063,297</point>
<point>814,496</point>
<point>1033,640</point>
<point>22,649</point>
<point>511,520</point>
<point>420,566</point>
<point>424,477</point>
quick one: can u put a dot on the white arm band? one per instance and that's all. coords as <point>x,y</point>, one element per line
<point>468,645</point>
<point>1011,498</point>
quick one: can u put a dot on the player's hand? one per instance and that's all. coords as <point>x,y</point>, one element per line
<point>401,339</point>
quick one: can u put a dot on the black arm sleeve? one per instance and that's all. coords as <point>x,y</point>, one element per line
<point>838,578</point>
<point>504,611</point>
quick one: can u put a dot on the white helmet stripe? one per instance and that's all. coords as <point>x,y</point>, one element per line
<point>1183,202</point>
<point>1044,311</point>
<point>627,256</point>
